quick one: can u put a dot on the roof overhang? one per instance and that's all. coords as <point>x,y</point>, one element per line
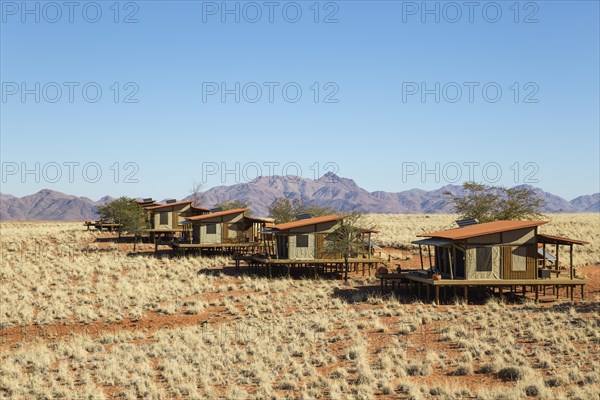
<point>217,214</point>
<point>483,229</point>
<point>309,221</point>
<point>550,239</point>
<point>433,242</point>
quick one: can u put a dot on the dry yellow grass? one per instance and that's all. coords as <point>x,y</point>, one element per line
<point>398,230</point>
<point>256,338</point>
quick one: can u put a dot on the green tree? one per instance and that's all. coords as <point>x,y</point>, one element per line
<point>348,239</point>
<point>488,203</point>
<point>284,210</point>
<point>127,213</point>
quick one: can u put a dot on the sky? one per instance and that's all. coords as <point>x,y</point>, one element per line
<point>144,98</point>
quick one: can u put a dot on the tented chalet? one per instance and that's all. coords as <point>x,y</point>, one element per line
<point>228,226</point>
<point>499,250</point>
<point>306,238</point>
<point>167,216</point>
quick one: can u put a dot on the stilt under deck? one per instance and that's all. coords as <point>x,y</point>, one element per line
<point>416,282</point>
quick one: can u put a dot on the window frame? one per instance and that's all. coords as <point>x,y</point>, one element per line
<point>305,243</point>
<point>490,266</point>
<point>163,218</point>
<point>212,226</point>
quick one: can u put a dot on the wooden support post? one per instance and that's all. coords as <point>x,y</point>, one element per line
<point>536,292</point>
<point>452,263</point>
<point>466,294</point>
<point>571,260</point>
<point>557,288</point>
<point>437,295</point>
<point>289,269</point>
<point>270,272</point>
<point>421,256</point>
<point>556,250</point>
<point>418,289</point>
<point>429,252</point>
<point>582,296</point>
<point>500,291</point>
<point>544,256</point>
<point>428,292</point>
<point>571,290</point>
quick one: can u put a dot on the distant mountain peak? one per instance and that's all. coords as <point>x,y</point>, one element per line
<point>342,194</point>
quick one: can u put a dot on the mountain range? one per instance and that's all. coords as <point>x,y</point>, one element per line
<point>329,190</point>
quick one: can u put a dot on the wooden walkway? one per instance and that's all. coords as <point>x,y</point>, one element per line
<point>417,282</point>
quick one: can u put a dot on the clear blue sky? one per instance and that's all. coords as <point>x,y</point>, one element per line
<point>375,58</point>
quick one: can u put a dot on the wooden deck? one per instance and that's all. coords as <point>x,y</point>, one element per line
<point>316,266</point>
<point>220,248</point>
<point>417,281</point>
<point>101,225</point>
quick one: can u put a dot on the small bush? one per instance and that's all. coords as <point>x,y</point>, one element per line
<point>510,374</point>
<point>532,390</point>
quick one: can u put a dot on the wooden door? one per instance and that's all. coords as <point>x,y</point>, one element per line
<point>509,256</point>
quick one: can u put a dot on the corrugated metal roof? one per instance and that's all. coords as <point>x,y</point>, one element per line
<point>549,239</point>
<point>308,221</point>
<point>258,219</point>
<point>169,205</point>
<point>217,214</point>
<point>199,208</point>
<point>487,228</point>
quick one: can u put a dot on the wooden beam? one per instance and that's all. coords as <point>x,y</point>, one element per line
<point>421,256</point>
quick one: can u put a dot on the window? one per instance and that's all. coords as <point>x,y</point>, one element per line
<point>519,259</point>
<point>301,240</point>
<point>483,259</point>
<point>211,229</point>
<point>164,218</point>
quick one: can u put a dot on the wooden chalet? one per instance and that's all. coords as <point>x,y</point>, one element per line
<point>496,254</point>
<point>306,238</point>
<point>166,216</point>
<point>223,232</point>
<point>302,245</point>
